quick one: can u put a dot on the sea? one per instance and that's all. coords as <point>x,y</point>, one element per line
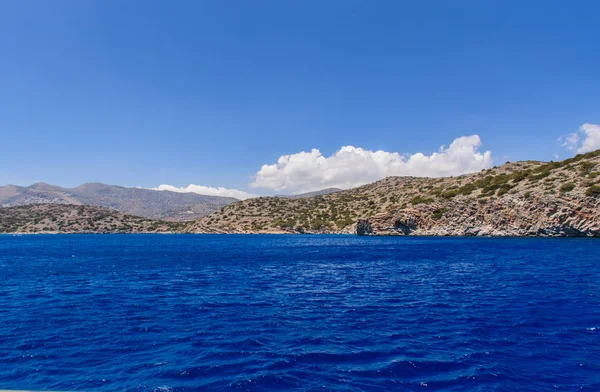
<point>298,313</point>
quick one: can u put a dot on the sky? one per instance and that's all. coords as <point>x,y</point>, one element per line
<point>278,97</point>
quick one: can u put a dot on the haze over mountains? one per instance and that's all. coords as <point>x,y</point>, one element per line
<point>147,203</point>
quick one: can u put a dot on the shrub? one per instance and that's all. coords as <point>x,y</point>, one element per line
<point>586,167</point>
<point>344,222</point>
<point>520,175</point>
<point>288,223</point>
<point>593,191</point>
<point>503,189</point>
<point>538,177</point>
<point>421,200</point>
<point>527,194</point>
<point>437,214</point>
<point>466,190</point>
<point>568,187</point>
<point>450,194</point>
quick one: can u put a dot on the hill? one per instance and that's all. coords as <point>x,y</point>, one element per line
<point>528,198</point>
<point>66,218</point>
<point>146,203</point>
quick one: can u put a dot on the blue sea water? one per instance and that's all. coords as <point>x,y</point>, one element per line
<point>342,313</point>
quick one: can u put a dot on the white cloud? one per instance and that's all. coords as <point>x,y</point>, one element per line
<point>207,190</point>
<point>588,139</point>
<point>592,138</point>
<point>353,166</point>
<point>570,142</point>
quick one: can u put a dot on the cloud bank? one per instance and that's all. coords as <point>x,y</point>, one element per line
<point>207,190</point>
<point>586,140</point>
<point>352,166</point>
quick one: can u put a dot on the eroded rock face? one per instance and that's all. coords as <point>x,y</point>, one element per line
<point>363,227</point>
<point>546,216</point>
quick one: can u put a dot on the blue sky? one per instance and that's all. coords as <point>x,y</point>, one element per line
<point>142,93</point>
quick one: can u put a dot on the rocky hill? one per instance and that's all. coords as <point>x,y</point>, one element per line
<point>147,203</point>
<point>526,198</point>
<point>65,218</point>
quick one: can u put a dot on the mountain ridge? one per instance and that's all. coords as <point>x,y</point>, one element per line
<point>148,203</point>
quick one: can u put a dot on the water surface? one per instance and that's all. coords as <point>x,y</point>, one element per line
<point>344,313</point>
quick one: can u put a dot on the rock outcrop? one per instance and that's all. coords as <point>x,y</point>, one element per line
<point>364,227</point>
<point>509,216</point>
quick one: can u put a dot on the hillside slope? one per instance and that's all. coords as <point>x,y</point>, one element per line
<point>65,218</point>
<point>522,198</point>
<point>147,203</point>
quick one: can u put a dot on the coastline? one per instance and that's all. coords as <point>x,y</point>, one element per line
<point>424,235</point>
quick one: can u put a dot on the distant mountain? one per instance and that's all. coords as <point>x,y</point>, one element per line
<point>148,203</point>
<point>68,218</point>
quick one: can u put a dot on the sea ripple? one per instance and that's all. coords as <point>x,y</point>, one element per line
<point>324,313</point>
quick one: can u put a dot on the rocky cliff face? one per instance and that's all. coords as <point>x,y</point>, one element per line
<point>510,216</point>
<point>516,199</point>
